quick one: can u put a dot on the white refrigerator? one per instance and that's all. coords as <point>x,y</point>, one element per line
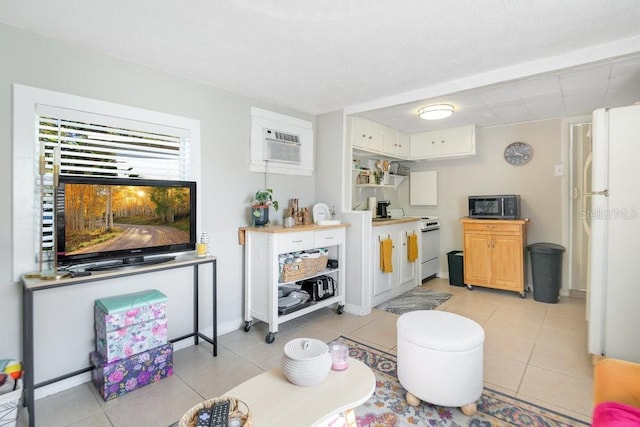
<point>614,217</point>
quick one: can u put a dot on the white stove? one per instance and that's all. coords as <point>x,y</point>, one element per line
<point>430,246</point>
<point>428,223</point>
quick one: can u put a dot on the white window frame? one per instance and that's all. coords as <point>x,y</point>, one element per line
<point>25,130</point>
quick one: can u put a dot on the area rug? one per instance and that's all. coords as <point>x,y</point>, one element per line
<point>388,407</point>
<point>415,299</point>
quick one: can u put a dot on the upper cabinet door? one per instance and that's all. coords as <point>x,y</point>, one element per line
<point>458,141</point>
<point>366,135</point>
<point>425,144</point>
<point>442,144</point>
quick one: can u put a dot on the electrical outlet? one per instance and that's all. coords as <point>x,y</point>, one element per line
<point>559,170</point>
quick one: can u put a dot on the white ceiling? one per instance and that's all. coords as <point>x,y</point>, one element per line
<point>496,61</point>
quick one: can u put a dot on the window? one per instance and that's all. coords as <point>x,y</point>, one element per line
<point>85,137</point>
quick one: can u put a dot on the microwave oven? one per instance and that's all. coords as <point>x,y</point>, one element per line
<point>506,206</point>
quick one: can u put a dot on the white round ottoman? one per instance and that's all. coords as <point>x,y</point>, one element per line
<point>440,359</point>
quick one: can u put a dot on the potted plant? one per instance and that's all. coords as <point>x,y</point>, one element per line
<point>260,207</point>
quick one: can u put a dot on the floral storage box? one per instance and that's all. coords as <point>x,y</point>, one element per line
<point>119,311</point>
<point>114,379</point>
<point>129,324</point>
<point>134,339</point>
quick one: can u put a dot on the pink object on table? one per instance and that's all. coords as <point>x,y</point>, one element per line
<point>339,356</point>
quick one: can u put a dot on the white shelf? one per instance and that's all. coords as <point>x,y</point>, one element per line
<point>395,179</point>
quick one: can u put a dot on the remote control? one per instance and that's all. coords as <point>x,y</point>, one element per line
<point>220,414</point>
<point>204,417</point>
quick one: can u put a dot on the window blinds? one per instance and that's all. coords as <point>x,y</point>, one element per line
<point>101,150</point>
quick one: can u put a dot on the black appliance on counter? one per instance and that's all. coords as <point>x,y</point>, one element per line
<point>382,211</point>
<point>506,206</point>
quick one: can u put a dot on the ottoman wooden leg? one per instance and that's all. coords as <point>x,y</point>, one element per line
<point>412,400</point>
<point>469,409</point>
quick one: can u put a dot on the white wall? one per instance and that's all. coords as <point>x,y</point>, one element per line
<point>226,183</point>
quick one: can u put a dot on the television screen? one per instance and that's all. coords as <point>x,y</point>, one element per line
<point>125,220</point>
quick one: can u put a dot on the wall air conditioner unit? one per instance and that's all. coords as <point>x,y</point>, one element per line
<point>281,146</point>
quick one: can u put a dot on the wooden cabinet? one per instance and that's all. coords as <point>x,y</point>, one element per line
<point>442,144</point>
<point>263,245</point>
<point>495,254</point>
<point>405,274</point>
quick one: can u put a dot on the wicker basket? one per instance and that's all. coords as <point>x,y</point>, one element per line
<point>305,268</point>
<point>318,264</point>
<point>238,409</point>
<point>294,271</point>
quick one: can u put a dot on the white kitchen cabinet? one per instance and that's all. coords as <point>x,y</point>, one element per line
<point>405,274</point>
<point>367,135</point>
<point>262,269</point>
<point>403,146</point>
<point>442,144</point>
<point>371,137</point>
<point>396,144</point>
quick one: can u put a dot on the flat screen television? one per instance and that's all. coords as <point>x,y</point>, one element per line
<point>122,220</point>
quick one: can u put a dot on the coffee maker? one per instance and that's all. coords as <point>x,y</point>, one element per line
<point>382,211</point>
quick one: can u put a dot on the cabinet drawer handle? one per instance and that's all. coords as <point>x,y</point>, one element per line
<point>296,241</point>
<point>328,238</point>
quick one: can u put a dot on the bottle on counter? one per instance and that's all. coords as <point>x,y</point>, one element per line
<point>204,239</point>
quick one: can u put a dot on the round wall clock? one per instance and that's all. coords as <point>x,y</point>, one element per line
<point>518,153</point>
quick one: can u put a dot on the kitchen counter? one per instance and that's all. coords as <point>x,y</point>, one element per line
<point>282,229</point>
<point>377,222</point>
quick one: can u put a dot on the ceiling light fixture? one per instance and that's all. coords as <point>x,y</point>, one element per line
<point>435,112</point>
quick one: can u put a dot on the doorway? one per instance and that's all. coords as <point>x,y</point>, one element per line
<point>580,147</point>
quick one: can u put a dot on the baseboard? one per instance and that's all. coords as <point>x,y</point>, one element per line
<point>577,294</point>
<point>357,310</point>
<point>62,385</point>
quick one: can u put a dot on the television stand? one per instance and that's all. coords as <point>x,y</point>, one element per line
<point>132,262</point>
<point>31,286</point>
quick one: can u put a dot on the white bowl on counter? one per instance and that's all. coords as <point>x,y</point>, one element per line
<point>306,361</point>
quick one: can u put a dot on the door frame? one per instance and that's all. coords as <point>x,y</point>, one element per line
<point>567,213</point>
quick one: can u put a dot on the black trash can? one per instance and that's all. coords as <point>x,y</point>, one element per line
<point>456,268</point>
<point>546,271</point>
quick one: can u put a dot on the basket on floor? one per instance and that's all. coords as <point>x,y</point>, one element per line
<point>9,406</point>
<point>237,409</point>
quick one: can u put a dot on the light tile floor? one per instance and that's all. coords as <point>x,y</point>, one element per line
<point>533,350</point>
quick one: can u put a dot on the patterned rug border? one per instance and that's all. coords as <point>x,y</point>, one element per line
<point>417,298</point>
<point>487,392</point>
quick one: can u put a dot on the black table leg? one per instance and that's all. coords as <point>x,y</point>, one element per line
<point>27,354</point>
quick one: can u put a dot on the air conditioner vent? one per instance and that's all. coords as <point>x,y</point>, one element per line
<point>281,146</point>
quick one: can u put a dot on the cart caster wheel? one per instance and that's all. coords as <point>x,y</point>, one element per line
<point>470,287</point>
<point>271,337</point>
<point>247,325</point>
<point>340,309</point>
